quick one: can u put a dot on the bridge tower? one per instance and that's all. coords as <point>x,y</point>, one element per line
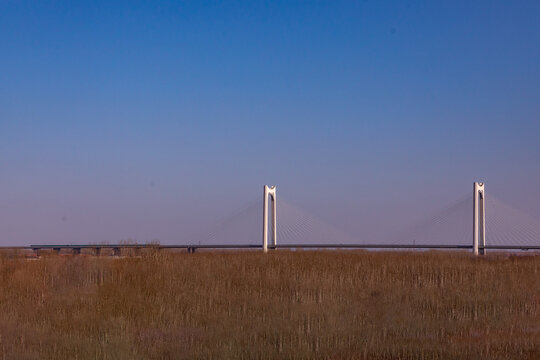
<point>269,192</point>
<point>479,219</point>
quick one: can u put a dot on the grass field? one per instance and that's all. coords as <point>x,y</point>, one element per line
<point>282,305</point>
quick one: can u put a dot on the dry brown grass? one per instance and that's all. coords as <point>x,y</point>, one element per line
<point>293,305</point>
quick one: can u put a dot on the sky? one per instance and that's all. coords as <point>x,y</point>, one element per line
<point>153,120</point>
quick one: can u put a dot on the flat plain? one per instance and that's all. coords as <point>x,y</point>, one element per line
<point>280,305</point>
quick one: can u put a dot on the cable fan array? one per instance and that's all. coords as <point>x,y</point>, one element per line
<point>451,225</point>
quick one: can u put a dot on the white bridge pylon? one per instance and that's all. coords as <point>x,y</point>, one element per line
<point>269,192</point>
<point>479,218</point>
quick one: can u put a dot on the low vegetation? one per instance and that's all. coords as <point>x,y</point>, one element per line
<point>280,305</point>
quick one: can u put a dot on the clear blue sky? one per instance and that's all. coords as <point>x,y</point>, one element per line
<point>150,120</point>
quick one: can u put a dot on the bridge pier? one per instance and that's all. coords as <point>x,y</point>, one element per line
<point>36,252</point>
<point>97,251</point>
<point>76,251</point>
<point>56,251</point>
<point>116,251</point>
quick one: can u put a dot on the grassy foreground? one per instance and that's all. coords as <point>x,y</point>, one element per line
<point>282,305</point>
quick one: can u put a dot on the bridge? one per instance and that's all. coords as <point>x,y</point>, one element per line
<point>474,222</point>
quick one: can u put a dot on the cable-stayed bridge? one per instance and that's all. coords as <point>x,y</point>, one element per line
<point>475,221</point>
<point>451,227</point>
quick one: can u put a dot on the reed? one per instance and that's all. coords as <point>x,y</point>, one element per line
<point>284,304</point>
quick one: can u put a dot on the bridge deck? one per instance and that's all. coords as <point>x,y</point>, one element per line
<point>192,247</point>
